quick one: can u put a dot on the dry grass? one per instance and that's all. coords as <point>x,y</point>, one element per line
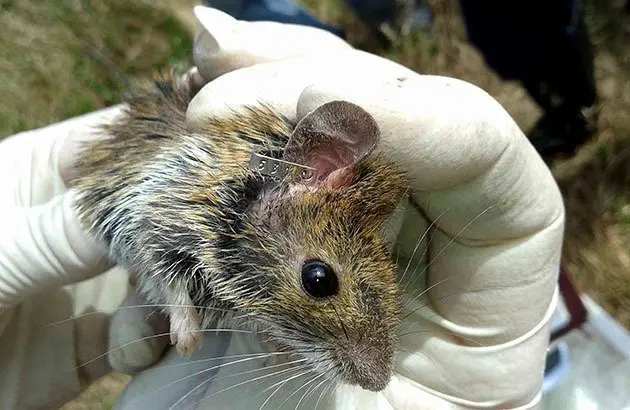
<point>59,59</point>
<point>66,58</point>
<point>101,395</point>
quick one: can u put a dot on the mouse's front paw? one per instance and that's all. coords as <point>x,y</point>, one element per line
<point>187,342</point>
<point>185,330</point>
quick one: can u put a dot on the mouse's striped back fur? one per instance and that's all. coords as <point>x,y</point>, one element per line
<point>183,212</point>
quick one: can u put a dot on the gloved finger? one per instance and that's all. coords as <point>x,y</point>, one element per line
<point>490,279</point>
<point>138,335</point>
<point>77,133</point>
<point>45,246</point>
<point>226,44</point>
<point>280,84</point>
<point>193,79</point>
<point>27,168</point>
<point>33,163</point>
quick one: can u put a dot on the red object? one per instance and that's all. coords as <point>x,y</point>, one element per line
<point>573,302</point>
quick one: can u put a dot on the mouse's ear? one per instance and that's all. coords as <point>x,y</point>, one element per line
<point>332,139</point>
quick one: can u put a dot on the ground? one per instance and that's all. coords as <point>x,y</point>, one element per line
<point>60,59</point>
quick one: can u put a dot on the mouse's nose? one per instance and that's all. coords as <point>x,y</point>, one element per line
<point>374,384</point>
<point>369,366</point>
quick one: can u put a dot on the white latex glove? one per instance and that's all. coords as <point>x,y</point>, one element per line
<point>244,43</point>
<point>477,323</point>
<point>50,271</point>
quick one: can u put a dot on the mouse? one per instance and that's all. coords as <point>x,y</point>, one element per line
<point>278,221</point>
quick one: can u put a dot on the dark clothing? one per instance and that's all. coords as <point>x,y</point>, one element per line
<point>542,43</point>
<point>280,11</point>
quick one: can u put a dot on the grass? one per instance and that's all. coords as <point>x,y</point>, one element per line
<point>101,395</point>
<point>61,59</point>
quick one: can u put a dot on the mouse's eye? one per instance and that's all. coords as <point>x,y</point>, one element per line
<point>319,280</point>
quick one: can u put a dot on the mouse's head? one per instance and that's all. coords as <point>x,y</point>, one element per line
<point>327,284</point>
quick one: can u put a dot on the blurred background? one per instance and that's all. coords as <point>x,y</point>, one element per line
<point>65,58</point>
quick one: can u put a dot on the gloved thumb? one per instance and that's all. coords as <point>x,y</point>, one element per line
<point>45,246</point>
<point>226,44</point>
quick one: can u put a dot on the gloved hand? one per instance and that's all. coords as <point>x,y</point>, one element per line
<point>43,249</point>
<point>480,289</point>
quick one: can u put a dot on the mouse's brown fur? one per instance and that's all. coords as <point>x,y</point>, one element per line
<point>183,212</point>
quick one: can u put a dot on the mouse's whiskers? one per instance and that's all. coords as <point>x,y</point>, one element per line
<point>468,339</point>
<point>419,295</point>
<point>413,277</point>
<point>449,243</point>
<point>460,232</point>
<point>82,315</point>
<point>311,389</point>
<point>306,383</point>
<point>343,327</point>
<point>258,355</point>
<point>209,369</point>
<point>323,393</point>
<point>281,383</point>
<point>485,288</point>
<point>418,353</point>
<point>164,334</point>
<point>419,242</point>
<point>253,380</point>
<point>192,391</point>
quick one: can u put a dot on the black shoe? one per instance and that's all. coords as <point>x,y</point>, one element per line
<point>560,131</point>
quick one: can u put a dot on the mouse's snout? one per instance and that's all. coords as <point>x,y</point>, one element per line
<point>367,364</point>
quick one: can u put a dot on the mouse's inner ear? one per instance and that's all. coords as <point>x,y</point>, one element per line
<point>332,139</point>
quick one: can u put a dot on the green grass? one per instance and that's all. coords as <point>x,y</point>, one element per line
<point>61,59</point>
